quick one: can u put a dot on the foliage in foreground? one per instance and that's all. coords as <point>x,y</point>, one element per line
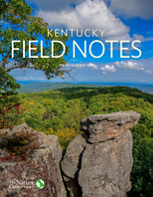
<point>19,145</point>
<point>64,135</point>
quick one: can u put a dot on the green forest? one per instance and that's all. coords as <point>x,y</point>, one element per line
<point>59,112</point>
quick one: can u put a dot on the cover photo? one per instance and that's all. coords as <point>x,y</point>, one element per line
<point>76,98</point>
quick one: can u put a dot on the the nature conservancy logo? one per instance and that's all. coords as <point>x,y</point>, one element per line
<point>18,184</point>
<point>40,184</point>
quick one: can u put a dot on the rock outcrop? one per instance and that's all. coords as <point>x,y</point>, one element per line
<point>99,162</point>
<point>18,178</point>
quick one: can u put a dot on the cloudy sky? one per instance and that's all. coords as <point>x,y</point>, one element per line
<point>121,19</point>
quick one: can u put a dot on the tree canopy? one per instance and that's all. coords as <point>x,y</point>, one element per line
<point>7,82</point>
<point>18,22</point>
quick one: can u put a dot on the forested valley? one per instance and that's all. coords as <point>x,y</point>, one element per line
<point>58,112</point>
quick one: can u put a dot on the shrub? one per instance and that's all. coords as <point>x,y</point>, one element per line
<point>10,111</point>
<point>64,135</point>
<point>19,145</point>
<point>8,98</point>
<point>141,176</point>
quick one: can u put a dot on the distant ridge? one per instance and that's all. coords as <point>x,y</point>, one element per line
<point>39,86</point>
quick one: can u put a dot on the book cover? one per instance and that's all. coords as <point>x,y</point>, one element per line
<point>76,98</point>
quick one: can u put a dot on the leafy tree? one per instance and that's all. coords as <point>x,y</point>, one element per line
<point>141,176</point>
<point>17,22</point>
<point>7,82</point>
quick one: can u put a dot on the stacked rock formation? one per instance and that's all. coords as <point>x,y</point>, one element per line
<point>99,162</point>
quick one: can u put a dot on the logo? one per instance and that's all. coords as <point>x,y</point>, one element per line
<point>19,184</point>
<point>40,184</point>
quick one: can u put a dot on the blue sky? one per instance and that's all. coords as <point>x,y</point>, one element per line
<point>121,19</point>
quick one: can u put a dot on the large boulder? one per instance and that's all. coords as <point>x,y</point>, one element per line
<point>99,162</point>
<point>18,178</point>
<point>108,126</point>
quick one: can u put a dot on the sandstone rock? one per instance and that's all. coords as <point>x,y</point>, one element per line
<point>16,129</point>
<point>106,167</point>
<point>44,163</point>
<point>108,126</point>
<point>100,164</point>
<point>71,161</point>
<point>71,164</point>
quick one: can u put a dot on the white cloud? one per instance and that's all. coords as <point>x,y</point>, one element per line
<point>149,39</point>
<point>108,68</point>
<point>54,4</point>
<point>149,72</point>
<point>88,15</point>
<point>75,65</point>
<point>129,65</point>
<point>139,37</point>
<point>91,65</point>
<point>132,8</point>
